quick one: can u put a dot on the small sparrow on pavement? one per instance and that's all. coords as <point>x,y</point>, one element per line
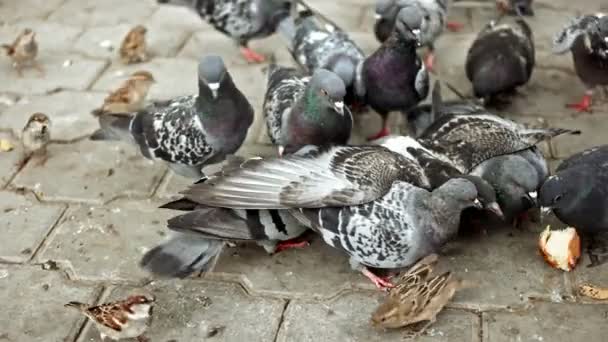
<point>130,96</point>
<point>35,136</point>
<point>23,51</point>
<point>133,48</point>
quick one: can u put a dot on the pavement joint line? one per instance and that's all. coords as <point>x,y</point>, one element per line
<point>281,320</point>
<point>45,18</point>
<point>182,44</point>
<point>106,67</point>
<point>102,293</point>
<point>164,180</point>
<point>48,234</point>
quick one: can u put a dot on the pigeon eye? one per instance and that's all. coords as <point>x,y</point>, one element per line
<point>323,92</point>
<point>427,17</point>
<point>557,198</point>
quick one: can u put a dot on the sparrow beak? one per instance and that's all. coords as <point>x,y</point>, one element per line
<point>339,107</point>
<point>214,87</point>
<point>477,204</point>
<point>495,208</point>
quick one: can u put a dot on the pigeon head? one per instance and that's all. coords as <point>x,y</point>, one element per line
<point>459,190</point>
<point>520,182</point>
<point>329,89</point>
<point>211,73</point>
<point>411,21</point>
<point>345,68</point>
<point>557,193</point>
<point>486,194</point>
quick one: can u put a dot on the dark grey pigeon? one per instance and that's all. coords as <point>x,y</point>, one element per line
<point>467,140</point>
<point>242,20</point>
<point>305,110</point>
<point>191,131</point>
<point>516,178</point>
<point>501,58</point>
<point>515,7</point>
<point>394,78</point>
<point>587,37</point>
<point>315,46</point>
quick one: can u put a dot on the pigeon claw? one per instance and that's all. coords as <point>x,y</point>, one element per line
<point>383,132</point>
<point>429,62</point>
<point>454,26</point>
<point>583,106</point>
<point>290,244</point>
<point>252,56</point>
<point>382,283</point>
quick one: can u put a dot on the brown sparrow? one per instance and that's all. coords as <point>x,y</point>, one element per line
<point>417,297</point>
<point>123,319</point>
<point>35,136</point>
<point>130,96</point>
<point>133,48</point>
<point>23,51</point>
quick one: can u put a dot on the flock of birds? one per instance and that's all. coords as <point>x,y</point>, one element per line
<point>387,205</point>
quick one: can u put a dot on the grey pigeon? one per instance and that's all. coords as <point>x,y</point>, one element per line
<point>331,182</point>
<point>501,58</point>
<point>450,137</point>
<point>393,77</point>
<point>304,110</point>
<point>242,20</point>
<point>191,131</point>
<point>315,46</point>
<point>517,7</point>
<point>587,37</point>
<point>516,178</point>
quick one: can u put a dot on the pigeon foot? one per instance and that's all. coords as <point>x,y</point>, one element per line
<point>383,132</point>
<point>454,26</point>
<point>382,283</point>
<point>290,244</point>
<point>252,56</point>
<point>583,106</point>
<point>429,62</point>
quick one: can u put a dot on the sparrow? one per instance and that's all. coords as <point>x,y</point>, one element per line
<point>35,136</point>
<point>418,296</point>
<point>23,51</point>
<point>133,48</point>
<point>118,320</point>
<point>130,96</point>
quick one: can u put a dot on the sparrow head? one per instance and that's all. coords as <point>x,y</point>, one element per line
<point>140,299</point>
<point>140,29</point>
<point>27,35</point>
<point>143,75</point>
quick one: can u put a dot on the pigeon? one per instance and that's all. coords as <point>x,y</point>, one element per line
<point>314,47</point>
<point>304,110</point>
<point>394,77</point>
<point>449,138</point>
<point>587,37</point>
<point>243,20</point>
<point>516,178</point>
<point>518,7</point>
<point>190,131</point>
<point>501,58</point>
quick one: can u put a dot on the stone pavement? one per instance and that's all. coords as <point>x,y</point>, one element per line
<point>75,228</point>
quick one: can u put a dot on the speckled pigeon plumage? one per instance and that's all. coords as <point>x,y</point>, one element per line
<point>587,38</point>
<point>304,110</point>
<point>393,77</point>
<point>501,58</point>
<point>314,46</point>
<point>190,131</point>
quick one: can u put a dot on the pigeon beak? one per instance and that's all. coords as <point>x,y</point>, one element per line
<point>532,197</point>
<point>377,16</point>
<point>339,107</point>
<point>214,87</point>
<point>477,204</point>
<point>495,208</point>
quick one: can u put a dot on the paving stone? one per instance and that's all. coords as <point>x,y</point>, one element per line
<point>592,126</point>
<point>18,11</point>
<point>89,13</point>
<point>105,243</point>
<point>25,225</point>
<point>34,299</point>
<point>69,111</point>
<point>347,318</point>
<point>78,75</point>
<point>9,160</point>
<point>346,16</point>
<point>507,267</point>
<point>188,310</point>
<point>174,77</point>
<point>92,172</point>
<point>547,322</point>
<point>366,41</point>
<point>590,6</point>
<point>50,36</point>
<point>293,274</point>
<point>451,68</point>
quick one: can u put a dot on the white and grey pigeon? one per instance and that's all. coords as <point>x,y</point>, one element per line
<point>188,132</point>
<point>302,110</point>
<point>242,20</point>
<point>587,38</point>
<point>427,20</point>
<point>369,201</point>
<point>314,46</point>
<point>501,58</point>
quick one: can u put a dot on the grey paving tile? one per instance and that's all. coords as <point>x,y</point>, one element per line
<point>32,304</point>
<point>69,111</point>
<point>91,172</point>
<point>345,15</point>
<point>88,13</point>
<point>9,160</point>
<point>347,318</point>
<point>25,224</point>
<point>18,11</point>
<point>105,243</point>
<point>547,322</point>
<point>189,310</point>
<point>592,126</point>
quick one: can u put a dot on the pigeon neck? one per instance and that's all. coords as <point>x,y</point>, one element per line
<point>312,105</point>
<point>205,101</point>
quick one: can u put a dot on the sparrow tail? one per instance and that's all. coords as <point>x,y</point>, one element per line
<point>77,305</point>
<point>114,127</point>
